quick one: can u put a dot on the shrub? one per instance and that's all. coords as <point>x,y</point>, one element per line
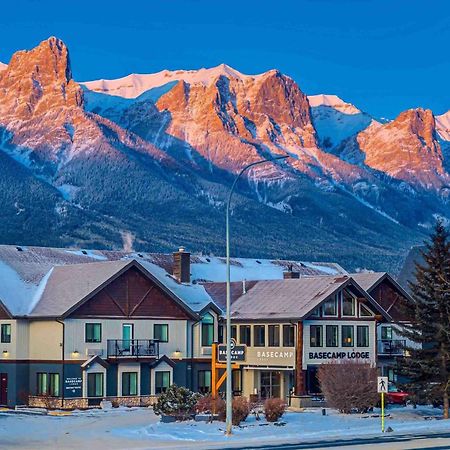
<point>177,402</point>
<point>349,386</point>
<point>206,404</point>
<point>240,410</point>
<point>274,409</point>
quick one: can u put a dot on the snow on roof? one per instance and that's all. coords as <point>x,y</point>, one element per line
<point>134,84</point>
<point>24,272</point>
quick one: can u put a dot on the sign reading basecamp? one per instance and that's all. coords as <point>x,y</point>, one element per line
<point>73,386</point>
<point>238,352</point>
<point>339,355</point>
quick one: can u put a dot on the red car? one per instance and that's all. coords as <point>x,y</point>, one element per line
<point>396,397</point>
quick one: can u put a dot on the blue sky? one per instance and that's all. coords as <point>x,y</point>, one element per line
<point>383,56</point>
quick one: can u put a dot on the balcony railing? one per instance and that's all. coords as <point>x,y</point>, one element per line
<point>392,347</point>
<point>133,348</point>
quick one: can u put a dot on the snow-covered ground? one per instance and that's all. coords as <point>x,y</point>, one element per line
<point>139,428</point>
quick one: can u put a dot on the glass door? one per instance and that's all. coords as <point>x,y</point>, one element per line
<point>95,385</point>
<point>127,336</point>
<point>270,384</point>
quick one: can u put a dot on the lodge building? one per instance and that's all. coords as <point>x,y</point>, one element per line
<point>78,326</point>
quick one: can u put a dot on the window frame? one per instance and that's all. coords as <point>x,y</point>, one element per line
<point>202,387</point>
<point>335,302</point>
<point>275,341</point>
<point>129,373</point>
<point>366,335</point>
<point>52,392</point>
<point>161,389</point>
<point>336,328</point>
<point>41,376</point>
<point>164,325</point>
<point>5,326</point>
<point>255,336</point>
<point>247,334</point>
<point>209,326</point>
<point>290,334</point>
<point>96,376</point>
<point>349,344</point>
<point>361,307</point>
<point>311,335</point>
<point>387,327</point>
<point>93,324</point>
<point>353,303</point>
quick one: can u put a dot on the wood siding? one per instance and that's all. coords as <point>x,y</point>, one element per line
<point>132,294</point>
<point>391,299</point>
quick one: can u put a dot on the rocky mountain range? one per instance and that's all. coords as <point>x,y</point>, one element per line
<point>146,161</point>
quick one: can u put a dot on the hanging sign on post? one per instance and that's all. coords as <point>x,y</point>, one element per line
<point>382,387</point>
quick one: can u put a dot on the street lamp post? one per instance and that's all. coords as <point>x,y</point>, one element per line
<point>228,313</point>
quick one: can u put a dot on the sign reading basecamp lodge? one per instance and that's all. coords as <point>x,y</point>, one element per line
<point>339,355</point>
<point>238,352</point>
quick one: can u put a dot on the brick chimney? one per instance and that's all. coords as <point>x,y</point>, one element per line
<point>182,265</point>
<point>289,274</point>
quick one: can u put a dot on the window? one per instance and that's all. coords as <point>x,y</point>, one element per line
<point>332,335</point>
<point>95,384</point>
<point>274,335</point>
<point>362,336</point>
<point>245,335</point>
<point>236,381</point>
<point>53,386</point>
<point>259,335</point>
<point>364,311</point>
<point>348,304</point>
<point>329,308</point>
<point>386,333</point>
<point>162,381</point>
<point>207,330</point>
<point>129,383</point>
<point>41,388</point>
<point>288,335</point>
<point>161,332</point>
<point>204,381</point>
<point>347,335</point>
<point>221,335</point>
<point>316,312</point>
<point>93,332</point>
<point>315,335</point>
<point>233,332</point>
<point>5,333</point>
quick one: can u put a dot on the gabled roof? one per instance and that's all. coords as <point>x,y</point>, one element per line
<point>68,287</point>
<point>368,280</point>
<point>165,359</point>
<point>292,299</point>
<point>94,359</point>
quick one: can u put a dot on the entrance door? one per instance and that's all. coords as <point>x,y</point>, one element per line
<point>127,336</point>
<point>270,384</point>
<point>312,380</point>
<point>95,388</point>
<point>3,388</point>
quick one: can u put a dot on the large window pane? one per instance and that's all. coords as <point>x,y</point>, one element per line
<point>245,335</point>
<point>95,384</point>
<point>162,381</point>
<point>233,332</point>
<point>274,335</point>
<point>362,336</point>
<point>129,383</point>
<point>386,333</point>
<point>329,308</point>
<point>332,335</point>
<point>161,332</point>
<point>93,332</point>
<point>348,304</point>
<point>347,335</point>
<point>207,330</point>
<point>5,333</point>
<point>315,336</point>
<point>288,336</point>
<point>259,335</point>
<point>53,388</point>
<point>41,387</point>
<point>204,381</point>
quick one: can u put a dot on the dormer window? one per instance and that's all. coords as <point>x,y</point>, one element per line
<point>329,308</point>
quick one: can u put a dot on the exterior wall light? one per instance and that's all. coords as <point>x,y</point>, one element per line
<point>5,353</point>
<point>177,353</point>
<point>75,353</point>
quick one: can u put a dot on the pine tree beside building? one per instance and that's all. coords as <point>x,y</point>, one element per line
<point>427,368</point>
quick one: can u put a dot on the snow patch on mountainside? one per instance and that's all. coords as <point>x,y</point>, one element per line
<point>3,66</point>
<point>336,120</point>
<point>443,126</point>
<point>134,84</point>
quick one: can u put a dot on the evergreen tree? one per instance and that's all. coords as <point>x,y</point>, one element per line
<point>427,364</point>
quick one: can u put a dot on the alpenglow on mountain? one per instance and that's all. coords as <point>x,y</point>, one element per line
<point>147,160</point>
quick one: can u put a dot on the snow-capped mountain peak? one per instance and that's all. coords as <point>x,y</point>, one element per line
<point>134,85</point>
<point>333,101</point>
<point>3,66</point>
<point>443,125</point>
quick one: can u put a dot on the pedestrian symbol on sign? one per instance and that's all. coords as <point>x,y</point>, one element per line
<point>382,384</point>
